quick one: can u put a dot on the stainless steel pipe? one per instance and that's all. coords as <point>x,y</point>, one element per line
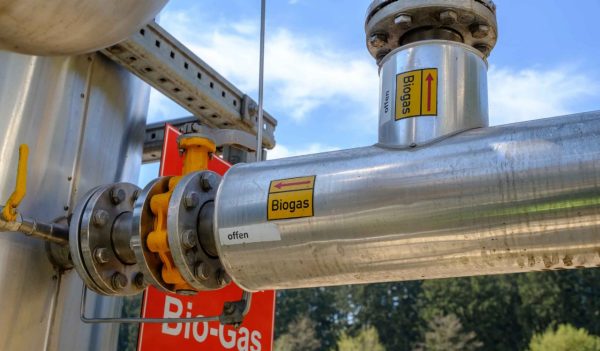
<point>430,89</point>
<point>515,198</point>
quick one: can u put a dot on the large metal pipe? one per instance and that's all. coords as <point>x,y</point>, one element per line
<point>68,27</point>
<point>515,198</point>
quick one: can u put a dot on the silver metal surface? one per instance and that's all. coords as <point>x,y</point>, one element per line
<point>462,102</point>
<point>168,66</point>
<point>142,225</point>
<point>182,220</point>
<point>261,76</point>
<point>83,119</point>
<point>68,27</point>
<point>52,232</point>
<point>391,24</point>
<point>111,276</point>
<point>516,198</point>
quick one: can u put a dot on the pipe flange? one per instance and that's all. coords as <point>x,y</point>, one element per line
<point>197,266</point>
<point>74,243</point>
<point>100,256</point>
<point>149,262</point>
<point>393,23</point>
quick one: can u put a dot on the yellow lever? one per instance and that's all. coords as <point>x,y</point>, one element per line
<point>9,212</point>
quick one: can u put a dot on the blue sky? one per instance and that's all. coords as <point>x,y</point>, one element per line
<point>322,85</point>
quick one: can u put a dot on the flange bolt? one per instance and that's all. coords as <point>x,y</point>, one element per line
<point>117,196</point>
<point>100,218</point>
<point>206,181</point>
<point>378,40</point>
<point>403,20</point>
<point>201,271</point>
<point>480,31</point>
<point>101,255</point>
<point>191,199</point>
<point>139,280</point>
<point>189,239</point>
<point>448,17</point>
<point>119,281</point>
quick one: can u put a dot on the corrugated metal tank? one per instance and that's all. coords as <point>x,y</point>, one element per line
<point>83,118</point>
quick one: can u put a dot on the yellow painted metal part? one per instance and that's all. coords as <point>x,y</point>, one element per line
<point>196,155</point>
<point>9,212</point>
<point>197,152</point>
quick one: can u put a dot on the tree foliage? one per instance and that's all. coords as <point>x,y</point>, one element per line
<point>446,334</point>
<point>300,336</point>
<point>366,339</point>
<point>565,338</point>
<point>504,311</point>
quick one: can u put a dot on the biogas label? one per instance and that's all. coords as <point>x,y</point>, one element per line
<point>416,93</point>
<point>291,198</point>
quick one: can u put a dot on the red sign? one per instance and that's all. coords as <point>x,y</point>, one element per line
<point>254,334</point>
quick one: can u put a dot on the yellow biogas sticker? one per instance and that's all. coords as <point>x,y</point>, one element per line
<point>291,198</point>
<point>416,93</point>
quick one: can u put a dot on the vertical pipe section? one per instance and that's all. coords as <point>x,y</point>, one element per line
<point>430,89</point>
<point>515,198</point>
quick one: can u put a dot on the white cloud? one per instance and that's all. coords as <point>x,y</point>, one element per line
<point>281,151</point>
<point>521,95</point>
<point>304,73</point>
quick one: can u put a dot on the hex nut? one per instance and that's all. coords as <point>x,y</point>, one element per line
<point>135,196</point>
<point>100,218</point>
<point>403,20</point>
<point>202,271</point>
<point>223,278</point>
<point>378,40</point>
<point>117,195</point>
<point>119,281</point>
<point>479,31</point>
<point>101,255</point>
<point>483,48</point>
<point>206,181</point>
<point>139,280</point>
<point>191,199</point>
<point>189,239</point>
<point>448,17</point>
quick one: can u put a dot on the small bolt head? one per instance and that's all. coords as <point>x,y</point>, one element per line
<point>135,195</point>
<point>189,239</point>
<point>223,278</point>
<point>119,281</point>
<point>202,271</point>
<point>378,40</point>
<point>191,199</point>
<point>100,218</point>
<point>448,17</point>
<point>403,20</point>
<point>117,196</point>
<point>479,31</point>
<point>139,280</point>
<point>483,48</point>
<point>101,255</point>
<point>206,181</point>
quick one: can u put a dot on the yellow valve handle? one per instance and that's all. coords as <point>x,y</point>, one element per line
<point>9,212</point>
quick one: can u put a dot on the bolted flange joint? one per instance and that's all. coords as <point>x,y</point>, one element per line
<point>471,22</point>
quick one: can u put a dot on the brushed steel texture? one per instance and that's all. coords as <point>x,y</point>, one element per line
<point>462,101</point>
<point>83,119</point>
<point>515,198</point>
<point>69,27</point>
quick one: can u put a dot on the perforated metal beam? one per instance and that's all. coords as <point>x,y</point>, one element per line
<point>167,65</point>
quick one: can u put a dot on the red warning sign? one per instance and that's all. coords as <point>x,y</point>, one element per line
<point>254,334</point>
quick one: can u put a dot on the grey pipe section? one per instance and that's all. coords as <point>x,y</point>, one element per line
<point>53,232</point>
<point>515,198</point>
